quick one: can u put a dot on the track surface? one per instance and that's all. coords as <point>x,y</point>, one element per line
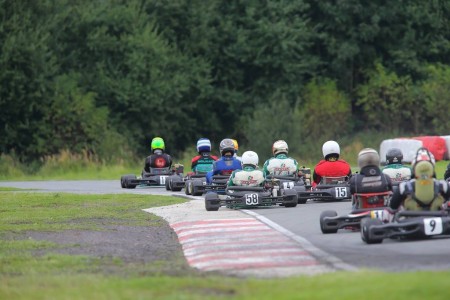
<point>303,220</point>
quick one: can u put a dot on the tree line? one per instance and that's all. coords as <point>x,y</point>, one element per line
<point>105,76</point>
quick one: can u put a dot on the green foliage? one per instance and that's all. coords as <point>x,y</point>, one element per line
<point>268,123</point>
<point>104,77</point>
<point>385,100</point>
<point>436,98</point>
<point>326,111</point>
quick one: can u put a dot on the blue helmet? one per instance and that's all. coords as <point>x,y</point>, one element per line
<point>203,145</point>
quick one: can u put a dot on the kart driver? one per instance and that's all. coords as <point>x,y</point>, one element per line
<point>447,173</point>
<point>331,165</point>
<point>424,191</point>
<point>227,162</point>
<point>370,179</point>
<point>280,163</point>
<point>203,162</point>
<point>250,175</point>
<point>158,159</point>
<point>236,147</point>
<point>394,168</point>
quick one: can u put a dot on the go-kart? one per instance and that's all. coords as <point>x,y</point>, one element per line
<point>156,177</point>
<point>329,189</point>
<point>363,205</point>
<point>236,197</point>
<point>294,182</point>
<point>193,184</point>
<point>218,185</point>
<point>406,224</point>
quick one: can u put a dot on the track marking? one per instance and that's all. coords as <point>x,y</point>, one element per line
<point>242,245</point>
<point>305,244</point>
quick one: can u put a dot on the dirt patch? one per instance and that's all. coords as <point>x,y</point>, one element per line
<point>154,249</point>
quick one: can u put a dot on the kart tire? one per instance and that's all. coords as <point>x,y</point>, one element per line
<point>327,229</point>
<point>195,188</point>
<point>126,181</point>
<point>123,182</point>
<point>175,178</point>
<point>211,202</point>
<point>302,200</point>
<point>167,184</point>
<point>292,198</point>
<point>366,223</point>
<point>187,187</point>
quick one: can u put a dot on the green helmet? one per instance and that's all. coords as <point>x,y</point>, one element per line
<point>158,143</point>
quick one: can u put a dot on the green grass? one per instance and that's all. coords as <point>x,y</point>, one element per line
<point>10,189</point>
<point>364,285</point>
<point>31,269</point>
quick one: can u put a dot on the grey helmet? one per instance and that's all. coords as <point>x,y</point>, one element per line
<point>368,157</point>
<point>226,145</point>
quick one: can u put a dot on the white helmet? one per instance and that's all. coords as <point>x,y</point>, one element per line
<point>330,147</point>
<point>280,146</point>
<point>368,157</point>
<point>250,158</point>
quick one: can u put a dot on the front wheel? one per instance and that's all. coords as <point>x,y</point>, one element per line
<point>326,226</point>
<point>212,202</point>
<point>366,236</point>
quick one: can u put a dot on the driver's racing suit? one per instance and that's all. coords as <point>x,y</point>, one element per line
<point>326,168</point>
<point>370,179</point>
<point>161,160</point>
<point>397,172</point>
<point>203,163</point>
<point>281,165</point>
<point>248,176</point>
<point>224,166</point>
<point>419,196</point>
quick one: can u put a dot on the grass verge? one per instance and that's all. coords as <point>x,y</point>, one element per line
<point>36,269</point>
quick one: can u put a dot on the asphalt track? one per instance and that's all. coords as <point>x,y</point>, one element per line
<point>302,223</point>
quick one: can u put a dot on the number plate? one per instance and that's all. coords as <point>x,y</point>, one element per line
<point>432,226</point>
<point>162,179</point>
<point>251,199</point>
<point>341,192</point>
<point>288,185</point>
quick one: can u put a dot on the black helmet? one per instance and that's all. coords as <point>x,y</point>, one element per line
<point>394,156</point>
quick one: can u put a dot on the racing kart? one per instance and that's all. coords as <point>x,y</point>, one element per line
<point>294,182</point>
<point>363,205</point>
<point>329,189</point>
<point>218,185</point>
<point>406,225</point>
<point>156,177</point>
<point>192,183</point>
<point>236,197</point>
<point>195,184</point>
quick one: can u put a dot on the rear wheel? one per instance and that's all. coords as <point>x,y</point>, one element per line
<point>325,226</point>
<point>187,187</point>
<point>195,185</point>
<point>167,184</point>
<point>123,183</point>
<point>175,179</point>
<point>127,181</point>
